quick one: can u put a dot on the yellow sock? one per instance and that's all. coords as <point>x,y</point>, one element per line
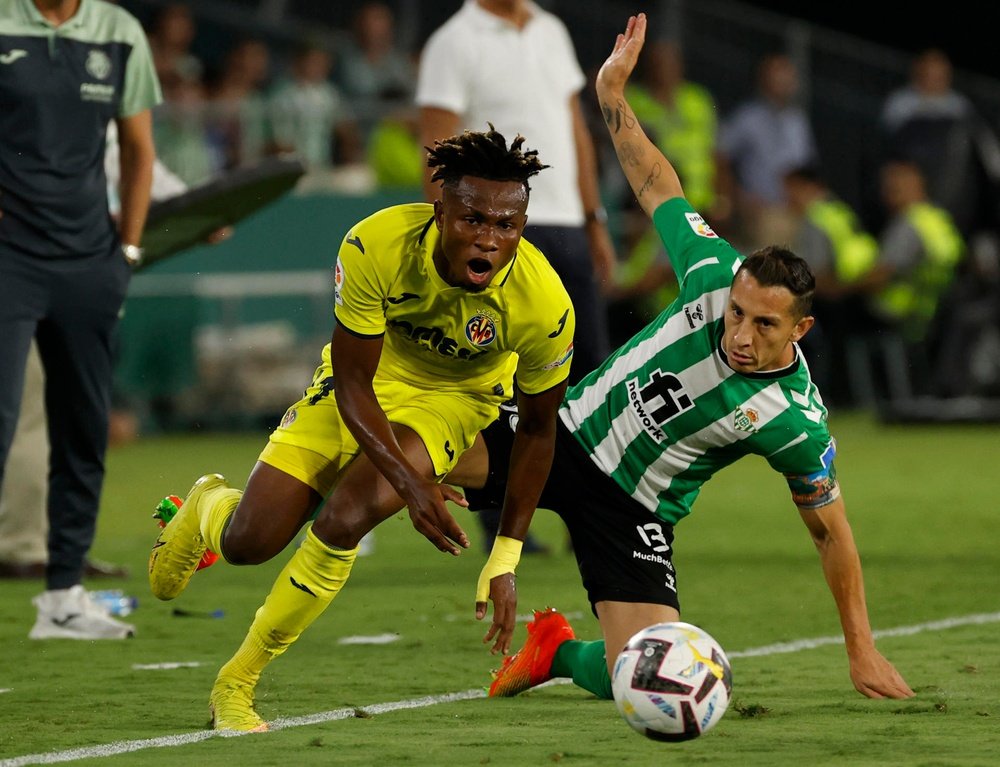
<point>248,661</point>
<point>215,507</point>
<point>309,582</point>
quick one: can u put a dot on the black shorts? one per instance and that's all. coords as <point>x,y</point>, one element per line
<point>622,549</point>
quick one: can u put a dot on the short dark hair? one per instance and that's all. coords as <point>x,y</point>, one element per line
<point>482,154</point>
<point>777,266</point>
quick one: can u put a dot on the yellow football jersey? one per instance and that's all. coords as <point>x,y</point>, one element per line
<point>444,337</point>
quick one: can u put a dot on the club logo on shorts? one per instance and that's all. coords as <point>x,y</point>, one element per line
<point>699,226</point>
<point>289,418</point>
<point>481,330</point>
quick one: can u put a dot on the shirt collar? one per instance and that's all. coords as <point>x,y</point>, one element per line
<point>32,14</point>
<point>788,369</point>
<point>486,20</point>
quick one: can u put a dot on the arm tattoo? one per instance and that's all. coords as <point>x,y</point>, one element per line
<point>628,119</point>
<point>629,154</point>
<point>653,175</point>
<point>615,118</point>
<point>609,116</point>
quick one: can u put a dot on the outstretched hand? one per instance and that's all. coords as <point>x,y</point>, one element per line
<point>617,68</point>
<point>503,594</point>
<point>876,677</point>
<point>431,518</point>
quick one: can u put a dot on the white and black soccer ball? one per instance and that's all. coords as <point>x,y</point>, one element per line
<point>672,682</point>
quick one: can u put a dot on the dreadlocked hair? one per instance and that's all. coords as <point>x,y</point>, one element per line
<point>482,154</point>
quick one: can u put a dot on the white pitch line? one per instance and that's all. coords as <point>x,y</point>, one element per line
<point>130,746</point>
<point>899,631</point>
<point>283,723</point>
<point>373,639</point>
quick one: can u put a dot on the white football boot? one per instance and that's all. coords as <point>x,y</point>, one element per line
<point>72,614</point>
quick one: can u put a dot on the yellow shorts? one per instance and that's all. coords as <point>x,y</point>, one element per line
<point>313,444</point>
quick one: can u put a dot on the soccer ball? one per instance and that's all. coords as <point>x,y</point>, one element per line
<point>672,682</point>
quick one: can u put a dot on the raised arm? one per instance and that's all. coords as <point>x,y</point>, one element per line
<point>871,673</point>
<point>650,174</point>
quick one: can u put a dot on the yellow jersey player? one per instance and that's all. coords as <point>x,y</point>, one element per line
<point>437,307</point>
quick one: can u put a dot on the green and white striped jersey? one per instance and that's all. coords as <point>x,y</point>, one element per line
<point>665,411</point>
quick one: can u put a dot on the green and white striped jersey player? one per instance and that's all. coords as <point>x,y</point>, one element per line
<point>667,410</point>
<point>716,376</point>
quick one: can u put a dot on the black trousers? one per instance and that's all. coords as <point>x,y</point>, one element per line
<point>71,306</point>
<point>568,251</point>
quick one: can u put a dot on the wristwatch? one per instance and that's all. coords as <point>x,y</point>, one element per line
<point>132,254</point>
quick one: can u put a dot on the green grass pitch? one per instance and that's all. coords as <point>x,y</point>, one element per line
<point>922,501</point>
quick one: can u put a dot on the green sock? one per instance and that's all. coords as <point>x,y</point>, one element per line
<point>585,663</point>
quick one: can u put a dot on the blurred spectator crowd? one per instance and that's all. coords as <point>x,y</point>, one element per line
<point>908,288</point>
<point>333,108</point>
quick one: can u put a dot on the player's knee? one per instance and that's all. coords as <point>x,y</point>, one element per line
<point>241,548</point>
<point>343,530</point>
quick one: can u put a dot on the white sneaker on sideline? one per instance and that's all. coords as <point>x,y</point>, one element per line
<point>72,614</point>
<point>366,546</point>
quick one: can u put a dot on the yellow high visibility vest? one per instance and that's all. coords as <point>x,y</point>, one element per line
<point>855,251</point>
<point>913,298</point>
<point>686,134</point>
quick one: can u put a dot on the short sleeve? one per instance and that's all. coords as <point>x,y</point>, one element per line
<point>810,473</point>
<point>693,247</point>
<point>142,88</point>
<point>443,81</point>
<point>572,74</point>
<point>545,356</point>
<point>359,295</point>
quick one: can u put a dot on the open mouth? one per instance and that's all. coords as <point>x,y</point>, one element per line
<point>479,270</point>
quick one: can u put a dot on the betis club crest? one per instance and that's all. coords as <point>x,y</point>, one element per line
<point>744,420</point>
